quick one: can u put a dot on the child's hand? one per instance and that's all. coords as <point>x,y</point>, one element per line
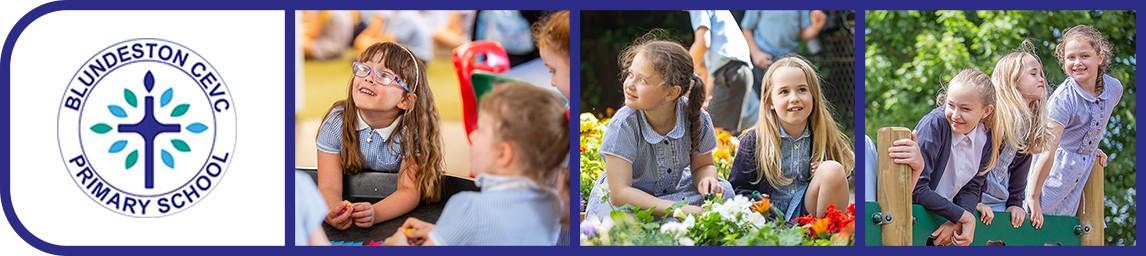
<point>709,185</point>
<point>815,165</point>
<point>1017,215</point>
<point>363,214</point>
<point>944,234</point>
<point>416,231</point>
<point>906,151</point>
<point>761,59</point>
<point>339,217</point>
<point>966,231</point>
<point>398,239</point>
<point>1102,157</point>
<point>1036,213</point>
<point>985,213</point>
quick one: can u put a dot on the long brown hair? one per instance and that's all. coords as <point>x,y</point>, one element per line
<point>828,142</point>
<point>673,64</point>
<point>421,140</point>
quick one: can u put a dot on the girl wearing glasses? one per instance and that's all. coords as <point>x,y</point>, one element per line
<point>387,123</point>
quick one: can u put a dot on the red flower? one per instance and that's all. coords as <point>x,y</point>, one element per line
<point>804,220</point>
<point>833,222</point>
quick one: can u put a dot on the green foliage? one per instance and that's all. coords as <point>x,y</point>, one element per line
<point>910,54</point>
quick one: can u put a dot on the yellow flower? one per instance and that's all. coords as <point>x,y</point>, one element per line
<point>721,154</point>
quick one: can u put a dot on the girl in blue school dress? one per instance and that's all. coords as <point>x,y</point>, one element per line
<point>658,147</point>
<point>387,123</point>
<point>1079,110</point>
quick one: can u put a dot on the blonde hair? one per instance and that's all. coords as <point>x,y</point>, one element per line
<point>1022,124</point>
<point>1096,40</point>
<point>553,32</point>
<point>533,121</point>
<point>828,142</point>
<point>420,137</point>
<point>981,83</point>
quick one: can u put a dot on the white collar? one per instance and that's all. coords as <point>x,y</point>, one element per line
<point>491,182</point>
<point>382,132</point>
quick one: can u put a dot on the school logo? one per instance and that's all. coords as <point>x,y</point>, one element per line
<point>147,128</point>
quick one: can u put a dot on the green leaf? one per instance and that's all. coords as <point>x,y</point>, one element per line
<point>132,158</point>
<point>130,98</point>
<point>101,128</point>
<point>180,145</point>
<point>180,110</point>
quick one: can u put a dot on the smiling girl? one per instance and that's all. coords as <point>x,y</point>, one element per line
<point>796,153</point>
<point>958,147</point>
<point>1079,111</point>
<point>387,123</point>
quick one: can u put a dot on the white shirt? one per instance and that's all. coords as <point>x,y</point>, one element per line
<point>963,164</point>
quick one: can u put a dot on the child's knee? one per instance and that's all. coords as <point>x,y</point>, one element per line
<point>831,171</point>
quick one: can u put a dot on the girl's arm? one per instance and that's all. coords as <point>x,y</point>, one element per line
<point>1042,169</point>
<point>930,129</point>
<point>703,169</point>
<point>621,190</point>
<point>404,199</point>
<point>330,179</point>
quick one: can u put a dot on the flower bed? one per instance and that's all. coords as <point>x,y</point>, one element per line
<point>738,221</point>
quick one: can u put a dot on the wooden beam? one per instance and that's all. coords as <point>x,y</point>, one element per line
<point>893,189</point>
<point>1090,208</point>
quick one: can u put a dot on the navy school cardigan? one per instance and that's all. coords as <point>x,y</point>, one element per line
<point>934,134</point>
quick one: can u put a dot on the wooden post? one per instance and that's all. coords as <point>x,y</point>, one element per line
<point>1090,208</point>
<point>894,189</point>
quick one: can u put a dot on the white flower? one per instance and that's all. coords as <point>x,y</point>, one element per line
<point>686,241</point>
<point>678,229</point>
<point>731,210</point>
<point>594,226</point>
<point>757,220</point>
<point>689,221</point>
<point>604,227</point>
<point>674,228</point>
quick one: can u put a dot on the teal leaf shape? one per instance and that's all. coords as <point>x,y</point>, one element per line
<point>149,81</point>
<point>117,146</point>
<point>132,158</point>
<point>166,98</point>
<point>180,145</point>
<point>180,110</point>
<point>168,160</point>
<point>196,127</point>
<point>129,96</point>
<point>117,111</point>
<point>101,128</point>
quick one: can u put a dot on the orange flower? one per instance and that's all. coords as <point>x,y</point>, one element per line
<point>820,226</point>
<point>762,206</point>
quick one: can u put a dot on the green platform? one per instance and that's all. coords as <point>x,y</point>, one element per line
<point>1058,230</point>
